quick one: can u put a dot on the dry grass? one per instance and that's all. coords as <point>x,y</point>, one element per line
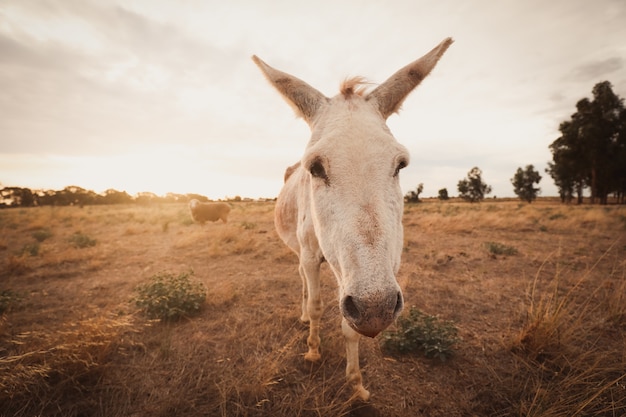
<point>47,372</point>
<point>542,325</point>
<point>574,338</point>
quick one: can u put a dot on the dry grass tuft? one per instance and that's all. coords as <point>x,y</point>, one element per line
<point>47,373</point>
<point>574,364</point>
<point>17,265</point>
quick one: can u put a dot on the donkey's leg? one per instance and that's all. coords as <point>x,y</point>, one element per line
<point>311,268</point>
<point>305,313</point>
<point>353,373</point>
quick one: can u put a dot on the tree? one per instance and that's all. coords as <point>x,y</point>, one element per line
<point>146,197</point>
<point>591,151</point>
<point>523,183</point>
<point>414,196</point>
<point>17,197</point>
<point>112,196</point>
<point>75,195</point>
<point>568,168</point>
<point>472,188</point>
<point>46,197</point>
<point>443,194</point>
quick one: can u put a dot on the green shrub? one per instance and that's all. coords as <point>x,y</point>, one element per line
<point>31,248</point>
<point>500,249</point>
<point>556,216</point>
<point>7,299</point>
<point>169,297</point>
<point>42,234</point>
<point>248,225</point>
<point>436,338</point>
<point>80,240</point>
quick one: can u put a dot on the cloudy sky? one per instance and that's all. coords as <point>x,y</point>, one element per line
<point>162,96</point>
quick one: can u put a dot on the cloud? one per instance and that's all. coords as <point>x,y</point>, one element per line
<point>129,87</point>
<point>99,78</point>
<point>597,70</point>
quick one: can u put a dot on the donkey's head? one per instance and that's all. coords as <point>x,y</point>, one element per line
<point>354,196</point>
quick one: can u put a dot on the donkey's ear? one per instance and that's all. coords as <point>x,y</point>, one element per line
<point>390,94</point>
<point>305,100</point>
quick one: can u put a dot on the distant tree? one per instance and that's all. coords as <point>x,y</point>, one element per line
<point>199,197</point>
<point>146,197</point>
<point>74,195</point>
<point>563,174</point>
<point>112,196</point>
<point>443,194</point>
<point>17,197</point>
<point>591,151</point>
<point>414,196</point>
<point>524,182</point>
<point>46,197</point>
<point>174,198</point>
<point>472,188</point>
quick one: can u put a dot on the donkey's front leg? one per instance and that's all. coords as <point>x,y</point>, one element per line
<point>311,269</point>
<point>353,373</point>
<point>304,318</point>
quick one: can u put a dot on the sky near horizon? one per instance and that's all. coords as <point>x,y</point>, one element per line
<point>162,96</point>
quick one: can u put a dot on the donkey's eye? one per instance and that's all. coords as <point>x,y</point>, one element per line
<point>317,170</point>
<point>401,164</point>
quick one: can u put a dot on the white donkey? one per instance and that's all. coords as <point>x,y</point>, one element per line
<point>342,202</point>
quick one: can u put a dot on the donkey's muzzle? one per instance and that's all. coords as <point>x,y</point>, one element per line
<point>371,315</point>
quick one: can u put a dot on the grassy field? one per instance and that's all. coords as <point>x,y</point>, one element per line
<point>537,293</point>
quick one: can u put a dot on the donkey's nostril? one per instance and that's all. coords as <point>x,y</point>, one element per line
<point>399,305</point>
<point>350,309</point>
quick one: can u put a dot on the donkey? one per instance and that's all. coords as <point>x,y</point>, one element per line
<point>342,202</point>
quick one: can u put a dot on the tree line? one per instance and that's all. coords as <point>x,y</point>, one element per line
<point>589,155</point>
<point>472,188</point>
<point>74,195</point>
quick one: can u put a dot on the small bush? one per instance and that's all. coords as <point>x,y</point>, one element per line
<point>169,297</point>
<point>499,249</point>
<point>31,248</point>
<point>81,241</point>
<point>436,338</point>
<point>42,234</point>
<point>17,265</point>
<point>556,216</point>
<point>7,299</point>
<point>248,225</point>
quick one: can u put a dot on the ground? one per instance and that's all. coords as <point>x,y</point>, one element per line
<point>536,291</point>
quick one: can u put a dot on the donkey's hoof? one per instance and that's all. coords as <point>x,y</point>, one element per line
<point>312,356</point>
<point>361,393</point>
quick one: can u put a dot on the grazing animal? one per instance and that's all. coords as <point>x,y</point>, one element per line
<point>342,202</point>
<point>208,212</point>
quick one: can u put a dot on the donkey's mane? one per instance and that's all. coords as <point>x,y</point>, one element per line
<point>354,86</point>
